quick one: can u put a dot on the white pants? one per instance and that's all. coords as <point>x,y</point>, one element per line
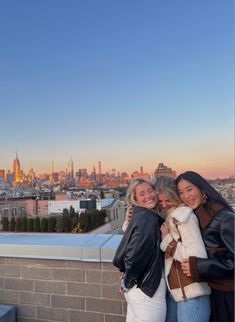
<point>142,308</point>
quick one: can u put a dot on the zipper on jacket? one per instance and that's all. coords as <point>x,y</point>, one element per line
<point>182,289</point>
<point>144,279</point>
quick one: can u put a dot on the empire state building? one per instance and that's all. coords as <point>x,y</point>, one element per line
<point>16,169</point>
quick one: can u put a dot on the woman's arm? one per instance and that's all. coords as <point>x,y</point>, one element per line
<point>127,218</point>
<point>217,266</point>
<point>187,242</point>
<point>190,242</point>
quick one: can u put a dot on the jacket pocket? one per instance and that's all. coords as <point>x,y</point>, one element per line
<point>177,279</point>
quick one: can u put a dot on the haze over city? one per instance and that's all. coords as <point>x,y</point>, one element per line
<point>130,83</point>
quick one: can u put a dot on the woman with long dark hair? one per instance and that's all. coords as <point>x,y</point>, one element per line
<point>216,219</point>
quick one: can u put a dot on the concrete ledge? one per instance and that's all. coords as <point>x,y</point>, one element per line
<point>84,247</point>
<point>7,313</point>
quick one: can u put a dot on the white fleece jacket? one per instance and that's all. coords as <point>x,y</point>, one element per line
<point>191,244</point>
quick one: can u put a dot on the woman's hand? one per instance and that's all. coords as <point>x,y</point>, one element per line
<point>185,267</point>
<point>127,218</point>
<point>122,288</point>
<point>164,229</point>
<point>128,214</point>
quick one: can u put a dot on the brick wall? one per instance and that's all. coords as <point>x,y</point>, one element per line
<point>61,290</point>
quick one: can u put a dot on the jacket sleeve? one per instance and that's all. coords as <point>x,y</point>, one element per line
<point>189,241</point>
<point>138,257</point>
<point>220,264</point>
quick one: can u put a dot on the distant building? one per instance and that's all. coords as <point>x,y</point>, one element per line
<point>16,170</point>
<point>36,207</point>
<point>61,195</point>
<point>71,169</point>
<point>115,208</point>
<point>137,174</point>
<point>2,175</point>
<point>57,206</point>
<point>12,207</point>
<point>115,213</point>
<point>164,170</point>
<point>99,173</point>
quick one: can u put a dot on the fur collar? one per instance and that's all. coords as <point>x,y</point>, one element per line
<point>181,213</point>
<point>207,212</point>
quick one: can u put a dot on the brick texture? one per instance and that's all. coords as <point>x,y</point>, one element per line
<point>103,305</point>
<point>27,311</point>
<point>48,313</point>
<point>18,284</point>
<point>82,316</point>
<point>46,290</point>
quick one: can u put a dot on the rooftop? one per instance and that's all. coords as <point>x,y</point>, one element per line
<point>84,247</point>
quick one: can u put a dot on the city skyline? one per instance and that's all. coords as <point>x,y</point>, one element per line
<point>128,83</point>
<point>16,168</point>
<point>97,167</point>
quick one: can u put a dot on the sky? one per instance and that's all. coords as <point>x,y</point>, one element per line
<point>129,83</point>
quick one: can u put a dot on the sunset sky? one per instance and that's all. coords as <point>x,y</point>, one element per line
<point>128,82</point>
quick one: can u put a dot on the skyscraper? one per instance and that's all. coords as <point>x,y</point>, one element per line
<point>51,176</point>
<point>99,173</point>
<point>16,169</point>
<point>71,169</point>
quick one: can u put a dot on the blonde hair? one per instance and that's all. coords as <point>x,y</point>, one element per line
<point>131,195</point>
<point>167,184</point>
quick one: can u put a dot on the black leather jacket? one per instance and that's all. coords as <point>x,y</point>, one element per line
<point>138,254</point>
<point>218,237</point>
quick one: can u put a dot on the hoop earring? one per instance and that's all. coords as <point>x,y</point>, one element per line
<point>204,197</point>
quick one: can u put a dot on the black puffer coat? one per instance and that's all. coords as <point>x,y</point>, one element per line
<point>138,254</point>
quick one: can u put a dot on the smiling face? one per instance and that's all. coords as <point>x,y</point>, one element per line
<point>190,194</point>
<point>165,203</point>
<point>145,195</point>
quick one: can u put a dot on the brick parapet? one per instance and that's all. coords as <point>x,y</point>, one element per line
<point>49,290</point>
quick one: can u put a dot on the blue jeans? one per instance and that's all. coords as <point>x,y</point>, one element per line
<point>193,310</point>
<point>197,309</point>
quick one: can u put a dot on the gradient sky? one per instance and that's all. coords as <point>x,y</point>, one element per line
<point>129,82</point>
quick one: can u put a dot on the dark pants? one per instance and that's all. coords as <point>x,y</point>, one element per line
<point>171,308</point>
<point>222,306</point>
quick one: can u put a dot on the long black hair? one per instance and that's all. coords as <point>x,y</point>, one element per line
<point>204,186</point>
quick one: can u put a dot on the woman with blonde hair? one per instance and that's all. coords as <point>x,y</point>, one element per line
<point>181,238</point>
<point>139,257</point>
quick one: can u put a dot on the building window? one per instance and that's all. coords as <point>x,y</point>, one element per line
<point>13,212</point>
<point>5,212</point>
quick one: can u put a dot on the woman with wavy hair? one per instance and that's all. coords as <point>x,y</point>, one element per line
<point>189,299</point>
<point>139,258</point>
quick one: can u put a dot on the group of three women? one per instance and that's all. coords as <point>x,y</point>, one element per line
<point>179,236</point>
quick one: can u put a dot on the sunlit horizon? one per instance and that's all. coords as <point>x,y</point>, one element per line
<point>39,167</point>
<point>129,84</point>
